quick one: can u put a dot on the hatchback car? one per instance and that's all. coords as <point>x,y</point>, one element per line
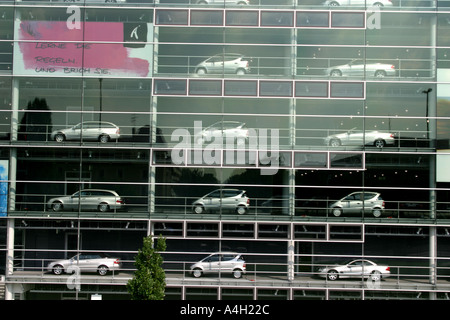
<point>230,63</point>
<point>355,137</point>
<point>358,68</point>
<point>88,262</point>
<point>222,132</point>
<point>239,2</point>
<point>355,269</point>
<point>358,202</point>
<point>89,130</point>
<point>222,199</point>
<point>88,199</point>
<point>220,262</point>
<point>369,3</point>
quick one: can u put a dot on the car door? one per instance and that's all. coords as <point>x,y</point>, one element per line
<point>213,263</point>
<point>353,203</point>
<point>355,138</point>
<point>81,261</point>
<point>227,263</point>
<point>357,68</point>
<point>73,201</point>
<point>91,131</point>
<point>369,201</point>
<point>229,200</point>
<point>74,133</point>
<point>87,201</point>
<point>215,64</point>
<point>355,268</point>
<point>213,200</point>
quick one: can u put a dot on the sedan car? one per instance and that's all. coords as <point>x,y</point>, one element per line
<point>222,132</point>
<point>88,199</point>
<point>240,2</point>
<point>231,63</point>
<point>220,262</point>
<point>355,137</point>
<point>369,3</point>
<point>359,68</point>
<point>89,130</point>
<point>89,262</point>
<point>223,199</point>
<point>355,269</point>
<point>358,202</point>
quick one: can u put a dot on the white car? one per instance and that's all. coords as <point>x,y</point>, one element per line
<point>239,2</point>
<point>358,68</point>
<point>355,137</point>
<point>89,262</point>
<point>355,269</point>
<point>229,63</point>
<point>88,199</point>
<point>223,199</point>
<point>88,130</point>
<point>223,132</point>
<point>220,262</point>
<point>369,3</point>
<point>357,202</point>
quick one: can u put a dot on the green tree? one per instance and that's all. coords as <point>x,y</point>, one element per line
<point>149,281</point>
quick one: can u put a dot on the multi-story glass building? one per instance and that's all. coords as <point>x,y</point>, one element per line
<point>301,135</point>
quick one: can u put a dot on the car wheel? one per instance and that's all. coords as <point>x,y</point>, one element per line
<point>58,269</point>
<point>201,71</point>
<point>337,212</point>
<point>375,275</point>
<point>241,210</point>
<point>198,209</point>
<point>334,4</point>
<point>197,273</point>
<point>335,143</point>
<point>240,72</point>
<point>379,143</point>
<point>380,74</point>
<point>237,273</point>
<point>59,137</point>
<point>57,206</point>
<point>336,73</point>
<point>376,213</point>
<point>102,270</point>
<point>103,207</point>
<point>332,275</point>
<point>103,138</point>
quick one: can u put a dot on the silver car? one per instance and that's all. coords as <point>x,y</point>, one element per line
<point>89,262</point>
<point>225,199</point>
<point>220,262</point>
<point>222,132</point>
<point>358,68</point>
<point>355,269</point>
<point>355,137</point>
<point>88,199</point>
<point>89,130</point>
<point>357,202</point>
<point>369,3</point>
<point>239,2</point>
<point>231,63</point>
